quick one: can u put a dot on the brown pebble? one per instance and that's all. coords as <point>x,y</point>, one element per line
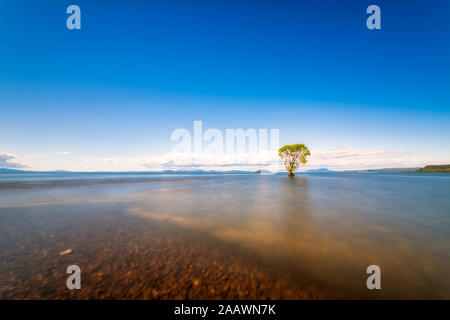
<point>63,253</point>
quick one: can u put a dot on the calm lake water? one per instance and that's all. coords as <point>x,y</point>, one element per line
<point>322,230</point>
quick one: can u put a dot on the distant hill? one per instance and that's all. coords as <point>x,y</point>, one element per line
<point>263,171</point>
<point>320,170</point>
<point>439,168</point>
<point>385,170</point>
<point>4,170</point>
<point>199,172</point>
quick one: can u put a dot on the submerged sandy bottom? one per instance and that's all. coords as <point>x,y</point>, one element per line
<point>225,236</point>
<point>126,257</point>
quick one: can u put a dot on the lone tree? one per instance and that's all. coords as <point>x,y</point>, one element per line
<point>292,155</point>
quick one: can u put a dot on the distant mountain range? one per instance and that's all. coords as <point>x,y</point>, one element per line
<point>320,170</point>
<point>385,170</point>
<point>429,169</point>
<point>5,170</point>
<point>445,168</point>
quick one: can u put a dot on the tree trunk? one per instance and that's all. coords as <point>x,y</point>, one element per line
<point>291,174</point>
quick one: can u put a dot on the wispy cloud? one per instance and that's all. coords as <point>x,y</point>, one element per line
<point>7,161</point>
<point>346,158</point>
<point>341,158</point>
<point>207,161</point>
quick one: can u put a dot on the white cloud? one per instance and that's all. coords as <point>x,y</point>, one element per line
<point>345,158</point>
<point>65,153</point>
<point>341,158</point>
<point>174,161</point>
<point>7,160</point>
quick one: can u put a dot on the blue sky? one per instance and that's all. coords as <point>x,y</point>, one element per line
<point>137,70</point>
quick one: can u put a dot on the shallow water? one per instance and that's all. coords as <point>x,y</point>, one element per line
<point>319,230</point>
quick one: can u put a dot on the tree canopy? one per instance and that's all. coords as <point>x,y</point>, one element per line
<point>293,155</point>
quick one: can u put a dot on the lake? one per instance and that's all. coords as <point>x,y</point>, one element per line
<point>214,236</point>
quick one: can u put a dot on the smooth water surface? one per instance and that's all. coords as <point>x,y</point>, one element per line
<point>323,230</point>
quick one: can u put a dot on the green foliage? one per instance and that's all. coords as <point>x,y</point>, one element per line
<point>293,155</point>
